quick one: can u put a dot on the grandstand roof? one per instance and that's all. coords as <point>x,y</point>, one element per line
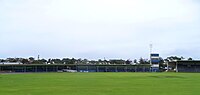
<point>188,62</point>
<point>74,65</point>
<point>184,62</point>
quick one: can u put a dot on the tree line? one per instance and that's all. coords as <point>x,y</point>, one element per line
<point>32,60</point>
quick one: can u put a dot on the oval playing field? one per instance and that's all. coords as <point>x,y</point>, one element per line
<point>100,84</point>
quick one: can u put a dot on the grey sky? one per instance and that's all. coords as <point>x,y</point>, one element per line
<point>96,29</point>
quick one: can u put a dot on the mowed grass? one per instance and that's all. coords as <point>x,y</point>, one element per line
<point>100,84</point>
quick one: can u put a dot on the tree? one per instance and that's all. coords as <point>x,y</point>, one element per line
<point>2,60</point>
<point>84,61</point>
<point>144,61</point>
<point>162,65</point>
<point>120,61</point>
<point>73,60</point>
<point>161,60</point>
<point>37,62</point>
<point>79,60</point>
<point>25,61</point>
<point>135,61</point>
<point>66,60</point>
<point>56,61</point>
<point>100,61</point>
<point>128,62</point>
<point>43,61</point>
<point>173,58</point>
<point>49,61</point>
<point>94,62</point>
<point>141,61</point>
<point>31,58</point>
<point>11,60</point>
<point>190,58</point>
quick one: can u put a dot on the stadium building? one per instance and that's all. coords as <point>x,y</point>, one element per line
<point>73,68</point>
<point>154,61</point>
<point>184,66</point>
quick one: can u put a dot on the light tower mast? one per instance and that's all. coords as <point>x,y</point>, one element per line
<point>38,57</point>
<point>150,46</point>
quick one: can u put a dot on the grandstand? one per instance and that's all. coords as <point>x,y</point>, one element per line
<point>184,66</point>
<point>73,67</point>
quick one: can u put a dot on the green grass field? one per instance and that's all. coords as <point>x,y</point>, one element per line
<point>100,84</point>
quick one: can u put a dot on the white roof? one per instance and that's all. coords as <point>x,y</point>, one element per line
<point>10,63</point>
<point>155,65</point>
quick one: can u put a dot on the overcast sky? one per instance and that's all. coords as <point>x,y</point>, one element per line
<point>96,29</point>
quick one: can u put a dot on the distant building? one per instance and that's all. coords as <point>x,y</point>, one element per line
<point>184,66</point>
<point>154,61</point>
<point>10,63</point>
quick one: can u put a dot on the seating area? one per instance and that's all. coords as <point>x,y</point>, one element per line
<point>78,68</point>
<point>188,68</point>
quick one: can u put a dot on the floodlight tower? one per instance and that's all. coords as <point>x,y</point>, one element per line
<point>150,47</point>
<point>38,57</point>
<point>154,60</point>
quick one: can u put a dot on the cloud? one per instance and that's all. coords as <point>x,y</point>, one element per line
<point>97,29</point>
